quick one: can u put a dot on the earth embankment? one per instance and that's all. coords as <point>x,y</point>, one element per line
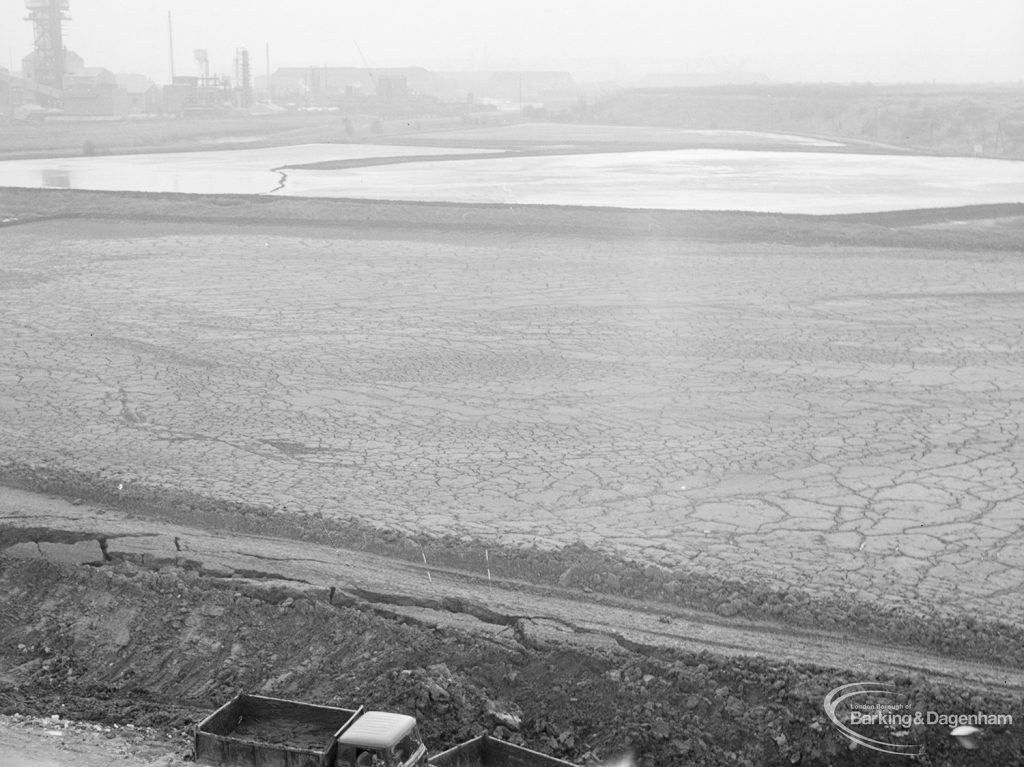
<point>115,618</point>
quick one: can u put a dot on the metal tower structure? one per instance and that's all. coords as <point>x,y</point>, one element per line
<point>203,58</point>
<point>243,77</point>
<point>47,17</point>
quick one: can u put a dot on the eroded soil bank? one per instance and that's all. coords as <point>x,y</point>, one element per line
<point>159,648</point>
<point>583,570</point>
<point>158,645</point>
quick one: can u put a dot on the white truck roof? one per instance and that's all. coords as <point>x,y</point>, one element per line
<point>377,729</point>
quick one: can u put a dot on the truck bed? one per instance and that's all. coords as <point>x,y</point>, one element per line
<point>254,731</point>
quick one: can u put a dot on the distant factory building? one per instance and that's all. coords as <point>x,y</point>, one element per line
<point>89,77</point>
<point>199,96</point>
<point>93,92</point>
<point>527,86</point>
<point>393,89</point>
<point>700,79</point>
<point>300,84</point>
<point>29,64</point>
<point>88,91</point>
<point>8,97</point>
<point>143,94</point>
<point>181,95</point>
<point>19,97</point>
<point>98,100</point>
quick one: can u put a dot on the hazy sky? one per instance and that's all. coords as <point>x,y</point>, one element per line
<point>807,40</point>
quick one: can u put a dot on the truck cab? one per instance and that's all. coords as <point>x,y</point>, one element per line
<point>381,739</point>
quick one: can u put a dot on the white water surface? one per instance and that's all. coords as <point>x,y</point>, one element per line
<point>687,179</point>
<point>676,179</point>
<point>229,171</point>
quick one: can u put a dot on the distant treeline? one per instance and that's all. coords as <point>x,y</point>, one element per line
<point>961,120</point>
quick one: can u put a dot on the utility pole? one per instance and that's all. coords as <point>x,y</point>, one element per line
<point>170,43</point>
<point>270,92</point>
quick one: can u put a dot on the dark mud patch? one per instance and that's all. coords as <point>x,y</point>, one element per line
<point>903,229</point>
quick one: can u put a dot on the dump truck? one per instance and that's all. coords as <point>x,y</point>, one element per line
<point>256,731</point>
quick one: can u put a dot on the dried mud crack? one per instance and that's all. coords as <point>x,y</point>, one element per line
<point>206,502</point>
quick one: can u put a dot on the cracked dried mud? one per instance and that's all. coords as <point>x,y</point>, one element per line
<point>660,446</point>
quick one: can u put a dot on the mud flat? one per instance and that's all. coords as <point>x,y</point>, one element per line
<point>748,410</point>
<point>641,413</point>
